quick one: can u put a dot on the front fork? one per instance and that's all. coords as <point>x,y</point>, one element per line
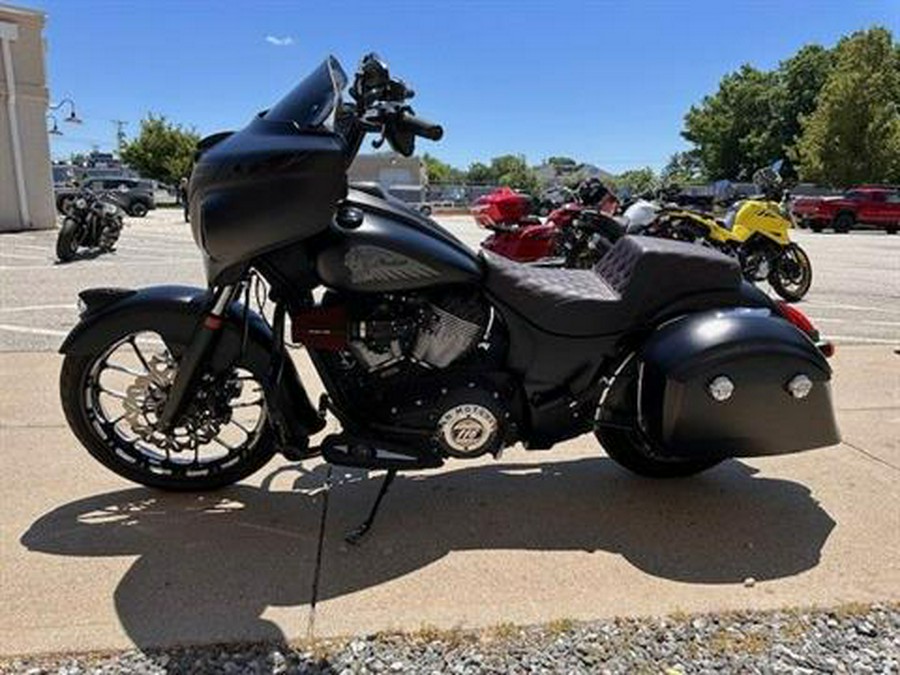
<point>190,366</point>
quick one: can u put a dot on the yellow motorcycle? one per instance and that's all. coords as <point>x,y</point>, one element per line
<point>756,231</point>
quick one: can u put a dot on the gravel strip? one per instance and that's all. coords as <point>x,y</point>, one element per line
<point>848,639</point>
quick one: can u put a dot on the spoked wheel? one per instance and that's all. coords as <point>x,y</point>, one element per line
<point>113,400</point>
<point>791,274</point>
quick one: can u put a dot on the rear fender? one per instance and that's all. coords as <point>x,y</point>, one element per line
<point>173,312</point>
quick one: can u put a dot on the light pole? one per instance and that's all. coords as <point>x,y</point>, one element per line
<point>72,117</point>
<point>55,130</point>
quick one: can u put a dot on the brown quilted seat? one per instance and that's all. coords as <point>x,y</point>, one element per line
<point>634,281</point>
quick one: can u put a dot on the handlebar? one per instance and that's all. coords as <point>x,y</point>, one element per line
<point>420,127</point>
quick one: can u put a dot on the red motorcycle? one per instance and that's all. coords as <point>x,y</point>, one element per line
<point>520,236</point>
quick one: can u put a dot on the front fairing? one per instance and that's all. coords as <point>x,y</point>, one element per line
<point>757,216</point>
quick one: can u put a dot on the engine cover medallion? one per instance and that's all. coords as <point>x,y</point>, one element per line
<point>467,430</point>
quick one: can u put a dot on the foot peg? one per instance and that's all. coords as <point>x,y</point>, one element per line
<point>348,450</point>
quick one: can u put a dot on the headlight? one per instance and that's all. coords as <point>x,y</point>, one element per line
<point>109,209</point>
<point>80,203</point>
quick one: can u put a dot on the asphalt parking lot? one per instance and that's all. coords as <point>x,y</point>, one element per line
<point>855,296</point>
<point>92,562</point>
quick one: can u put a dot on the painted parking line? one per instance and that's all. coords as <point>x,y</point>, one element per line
<point>32,331</point>
<point>94,263</point>
<point>18,256</point>
<point>36,308</point>
<point>857,322</point>
<point>854,308</point>
<point>862,340</point>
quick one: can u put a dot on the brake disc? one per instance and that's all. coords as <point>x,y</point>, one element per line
<point>146,397</point>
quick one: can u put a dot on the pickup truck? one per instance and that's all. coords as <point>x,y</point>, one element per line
<point>868,205</point>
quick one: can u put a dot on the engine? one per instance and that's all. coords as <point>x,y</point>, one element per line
<point>419,364</point>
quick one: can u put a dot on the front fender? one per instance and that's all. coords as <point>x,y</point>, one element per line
<point>174,312</point>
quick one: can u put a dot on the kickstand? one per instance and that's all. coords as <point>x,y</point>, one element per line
<point>355,536</point>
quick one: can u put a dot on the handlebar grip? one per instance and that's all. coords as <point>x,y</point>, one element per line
<point>420,127</point>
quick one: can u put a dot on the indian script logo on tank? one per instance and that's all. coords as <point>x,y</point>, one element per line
<point>372,264</point>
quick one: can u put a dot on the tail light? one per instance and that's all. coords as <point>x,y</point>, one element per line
<point>803,322</point>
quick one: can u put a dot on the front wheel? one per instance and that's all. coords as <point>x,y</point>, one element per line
<point>844,223</point>
<point>112,401</point>
<point>791,274</point>
<point>67,240</point>
<point>138,210</point>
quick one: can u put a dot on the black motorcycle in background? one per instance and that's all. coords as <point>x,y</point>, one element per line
<point>93,221</point>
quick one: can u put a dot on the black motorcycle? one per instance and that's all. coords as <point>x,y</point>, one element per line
<point>93,221</point>
<point>427,351</point>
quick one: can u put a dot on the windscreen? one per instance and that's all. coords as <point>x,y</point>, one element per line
<point>311,104</point>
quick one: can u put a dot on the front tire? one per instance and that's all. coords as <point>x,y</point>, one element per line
<point>844,222</point>
<point>791,275</point>
<point>110,400</point>
<point>138,210</point>
<point>67,241</point>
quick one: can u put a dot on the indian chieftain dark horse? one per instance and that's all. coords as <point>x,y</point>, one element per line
<point>427,351</point>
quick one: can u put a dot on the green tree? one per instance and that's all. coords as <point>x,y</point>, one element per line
<point>734,129</point>
<point>513,171</point>
<point>441,172</point>
<point>162,150</point>
<point>480,174</point>
<point>800,79</point>
<point>78,158</point>
<point>683,167</point>
<point>564,163</point>
<point>636,181</point>
<point>853,135</point>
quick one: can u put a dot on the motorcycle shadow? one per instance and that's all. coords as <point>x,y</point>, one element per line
<point>84,254</point>
<point>208,566</point>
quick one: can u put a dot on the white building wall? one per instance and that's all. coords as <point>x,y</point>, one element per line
<point>21,39</point>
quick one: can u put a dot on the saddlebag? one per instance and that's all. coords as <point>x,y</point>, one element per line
<point>734,383</point>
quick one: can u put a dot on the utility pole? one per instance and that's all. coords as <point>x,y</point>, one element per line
<point>120,134</point>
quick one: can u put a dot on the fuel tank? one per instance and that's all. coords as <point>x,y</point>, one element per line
<point>379,245</point>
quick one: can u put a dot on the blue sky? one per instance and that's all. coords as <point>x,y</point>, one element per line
<point>605,82</point>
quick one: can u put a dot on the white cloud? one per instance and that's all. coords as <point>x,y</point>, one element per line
<point>285,41</point>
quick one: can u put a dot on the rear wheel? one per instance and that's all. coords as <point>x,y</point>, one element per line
<point>620,434</point>
<point>791,274</point>
<point>67,240</point>
<point>627,449</point>
<point>891,229</point>
<point>112,401</point>
<point>844,222</point>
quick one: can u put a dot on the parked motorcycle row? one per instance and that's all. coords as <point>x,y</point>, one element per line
<point>93,221</point>
<point>755,231</point>
<point>427,350</point>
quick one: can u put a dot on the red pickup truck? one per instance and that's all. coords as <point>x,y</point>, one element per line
<point>868,205</point>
